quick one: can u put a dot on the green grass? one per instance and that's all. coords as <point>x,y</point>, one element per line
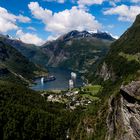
<point>94,89</point>
<point>90,97</point>
<point>91,92</point>
<point>131,57</point>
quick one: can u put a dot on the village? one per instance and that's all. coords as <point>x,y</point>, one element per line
<point>74,97</point>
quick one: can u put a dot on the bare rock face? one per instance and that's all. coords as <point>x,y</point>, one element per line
<point>123,119</point>
<point>133,89</point>
<point>55,60</point>
<point>106,73</point>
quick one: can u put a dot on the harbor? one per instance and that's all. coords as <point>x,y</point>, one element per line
<point>58,79</point>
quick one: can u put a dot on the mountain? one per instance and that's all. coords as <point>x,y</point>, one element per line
<point>122,66</point>
<point>30,51</point>
<point>113,115</point>
<point>74,50</point>
<point>116,116</point>
<point>13,65</point>
<point>86,34</point>
<point>124,57</point>
<point>77,50</point>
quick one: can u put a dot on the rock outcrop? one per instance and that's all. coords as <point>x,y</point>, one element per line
<point>123,119</point>
<point>106,73</point>
<point>133,89</point>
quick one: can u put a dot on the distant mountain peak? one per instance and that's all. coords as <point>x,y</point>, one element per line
<point>84,34</point>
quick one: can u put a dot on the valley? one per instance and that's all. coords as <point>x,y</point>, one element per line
<point>102,103</point>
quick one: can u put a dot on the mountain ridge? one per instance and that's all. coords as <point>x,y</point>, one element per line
<point>14,64</point>
<point>113,116</point>
<point>77,50</point>
<point>60,52</point>
<point>123,57</point>
<point>83,34</point>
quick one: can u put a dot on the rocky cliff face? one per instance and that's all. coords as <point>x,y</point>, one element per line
<point>123,119</point>
<point>77,50</point>
<point>105,72</point>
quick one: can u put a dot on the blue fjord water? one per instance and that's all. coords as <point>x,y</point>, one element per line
<point>61,82</point>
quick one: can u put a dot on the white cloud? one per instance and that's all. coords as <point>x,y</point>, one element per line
<point>23,19</point>
<point>6,25</point>
<point>65,21</point>
<point>113,2</point>
<point>90,2</point>
<point>29,38</point>
<point>59,1</point>
<point>8,20</point>
<point>40,13</point>
<point>115,36</point>
<point>125,13</point>
<point>52,37</point>
<point>135,1</point>
<point>84,3</point>
<point>31,28</point>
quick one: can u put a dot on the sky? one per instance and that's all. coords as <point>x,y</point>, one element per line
<point>36,21</point>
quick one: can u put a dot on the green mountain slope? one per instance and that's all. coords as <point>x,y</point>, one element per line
<point>77,50</point>
<point>116,116</point>
<point>30,51</point>
<point>74,50</point>
<point>26,115</point>
<point>124,56</point>
<point>13,63</point>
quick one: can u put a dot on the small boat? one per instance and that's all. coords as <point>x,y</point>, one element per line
<point>49,78</point>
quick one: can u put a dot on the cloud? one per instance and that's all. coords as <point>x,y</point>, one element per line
<point>125,13</point>
<point>6,25</point>
<point>29,38</point>
<point>40,13</point>
<point>113,2</point>
<point>8,20</point>
<point>115,36</point>
<point>84,3</point>
<point>52,37</point>
<point>59,1</point>
<point>64,21</point>
<point>23,19</point>
<point>31,28</point>
<point>90,2</point>
<point>135,1</point>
